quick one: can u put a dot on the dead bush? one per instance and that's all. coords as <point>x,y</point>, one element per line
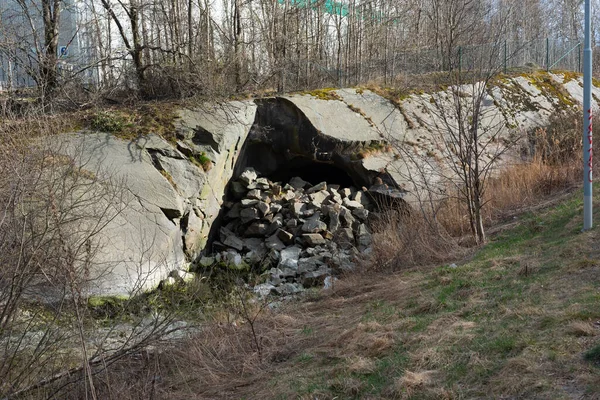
<point>402,239</point>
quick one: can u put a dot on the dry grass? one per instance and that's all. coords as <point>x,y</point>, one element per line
<point>482,330</point>
<point>402,240</point>
<point>360,365</point>
<point>411,382</point>
<point>510,322</point>
<point>583,328</point>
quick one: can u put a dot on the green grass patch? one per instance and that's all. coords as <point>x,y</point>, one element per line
<point>593,355</point>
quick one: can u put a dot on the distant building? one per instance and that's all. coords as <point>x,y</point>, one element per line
<point>22,39</point>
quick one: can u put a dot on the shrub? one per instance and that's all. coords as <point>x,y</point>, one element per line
<point>108,121</point>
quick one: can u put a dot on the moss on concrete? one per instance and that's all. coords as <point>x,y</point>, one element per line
<point>323,94</point>
<point>133,122</point>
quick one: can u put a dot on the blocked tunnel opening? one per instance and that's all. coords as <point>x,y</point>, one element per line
<point>281,168</point>
<point>283,144</point>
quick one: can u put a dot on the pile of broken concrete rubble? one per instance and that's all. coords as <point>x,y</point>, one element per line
<point>299,234</point>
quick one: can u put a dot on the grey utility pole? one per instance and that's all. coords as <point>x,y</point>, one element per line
<point>587,120</point>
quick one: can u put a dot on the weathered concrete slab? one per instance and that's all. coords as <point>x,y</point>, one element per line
<point>139,245</point>
<point>216,131</point>
<point>335,119</point>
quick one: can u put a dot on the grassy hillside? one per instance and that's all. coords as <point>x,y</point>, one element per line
<point>519,318</point>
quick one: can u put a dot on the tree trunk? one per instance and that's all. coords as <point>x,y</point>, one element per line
<point>49,57</point>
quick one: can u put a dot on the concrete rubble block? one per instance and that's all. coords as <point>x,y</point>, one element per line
<point>276,280</point>
<point>234,242</point>
<point>255,244</point>
<point>358,196</point>
<point>288,289</point>
<point>233,225</point>
<point>285,236</point>
<point>315,278</point>
<point>366,200</point>
<point>232,258</point>
<point>363,237</point>
<point>361,214</point>
<point>252,258</point>
<point>273,242</point>
<point>345,193</point>
<point>317,188</point>
<point>308,212</point>
<point>275,272</point>
<point>234,212</point>
<point>344,237</point>
<point>309,264</point>
<point>286,272</point>
<point>237,190</point>
<point>344,261</point>
<point>248,202</point>
<point>248,176</point>
<point>314,224</point>
<point>257,229</point>
<point>334,221</point>
<point>289,195</point>
<point>278,217</point>
<point>182,276</point>
<point>336,198</point>
<point>276,189</point>
<point>249,214</point>
<point>298,183</point>
<point>317,199</point>
<point>274,226</point>
<point>299,209</point>
<point>263,183</point>
<point>193,240</point>
<point>289,257</point>
<point>263,207</point>
<point>224,233</point>
<point>264,196</point>
<point>254,194</point>
<point>264,289</point>
<point>346,217</point>
<point>271,259</point>
<point>351,204</point>
<point>313,239</point>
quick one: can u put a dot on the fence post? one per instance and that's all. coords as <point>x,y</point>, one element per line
<point>505,57</point>
<point>547,55</point>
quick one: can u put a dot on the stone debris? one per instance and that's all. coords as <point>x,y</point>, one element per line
<point>298,233</point>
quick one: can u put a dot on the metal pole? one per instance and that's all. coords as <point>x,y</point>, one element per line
<point>587,120</point>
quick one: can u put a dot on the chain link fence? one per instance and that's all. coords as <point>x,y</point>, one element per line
<point>503,56</point>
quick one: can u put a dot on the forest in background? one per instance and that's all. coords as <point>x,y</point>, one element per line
<point>178,48</point>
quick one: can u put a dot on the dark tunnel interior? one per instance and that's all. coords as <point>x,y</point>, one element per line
<point>311,171</point>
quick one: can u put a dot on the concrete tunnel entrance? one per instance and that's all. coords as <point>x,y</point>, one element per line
<point>279,168</point>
